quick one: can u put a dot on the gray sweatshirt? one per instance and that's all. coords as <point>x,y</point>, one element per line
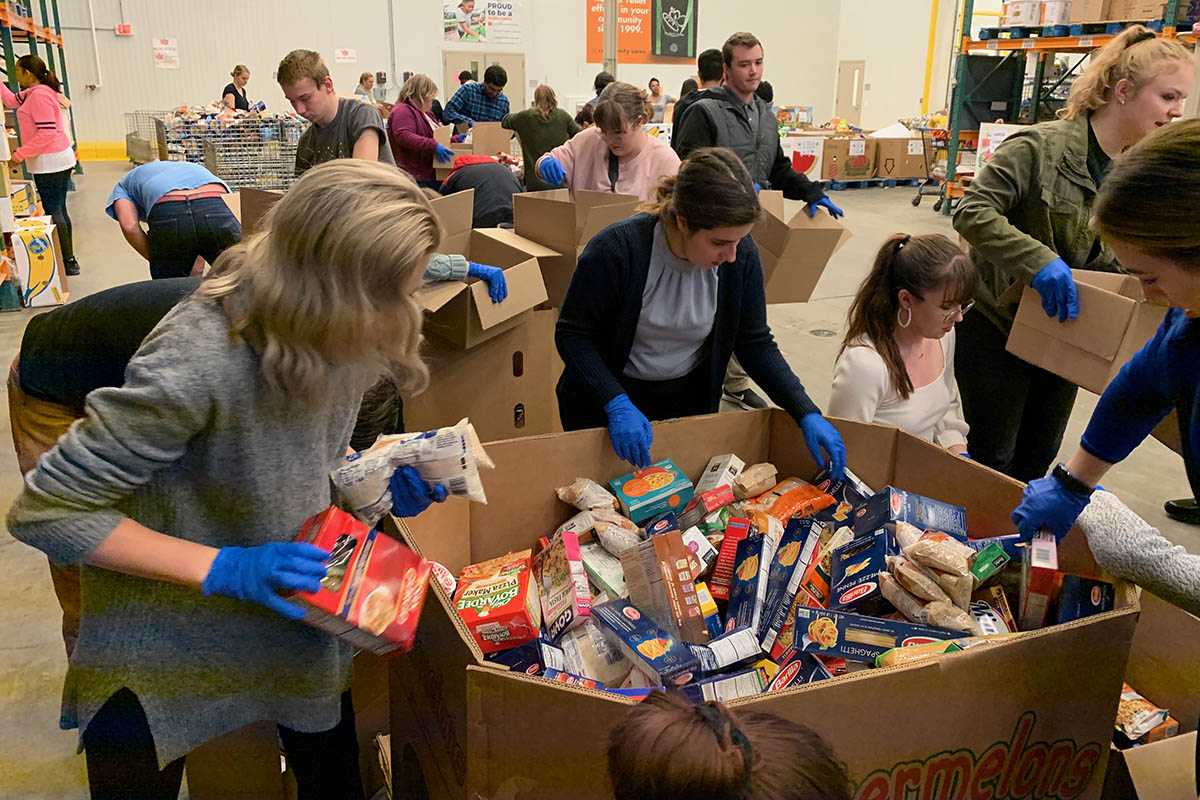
<point>1127,546</point>
<point>194,446</point>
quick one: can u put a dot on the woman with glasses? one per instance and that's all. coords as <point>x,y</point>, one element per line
<point>616,154</point>
<point>896,366</point>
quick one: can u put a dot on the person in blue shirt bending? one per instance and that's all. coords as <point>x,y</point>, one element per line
<point>479,102</point>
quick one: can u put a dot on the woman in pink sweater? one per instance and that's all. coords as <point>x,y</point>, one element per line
<point>45,145</point>
<point>615,155</point>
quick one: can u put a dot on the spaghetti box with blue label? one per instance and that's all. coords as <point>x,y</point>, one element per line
<point>854,581</point>
<point>743,590</point>
<point>797,668</point>
<point>652,491</point>
<point>532,658</point>
<point>848,494</point>
<point>855,637</point>
<point>664,524</point>
<point>892,505</point>
<point>1082,597</point>
<point>793,553</point>
<point>654,651</point>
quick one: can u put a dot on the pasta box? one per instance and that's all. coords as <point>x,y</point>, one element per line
<point>894,505</point>
<point>797,668</point>
<point>498,602</point>
<point>722,577</point>
<point>743,611</point>
<point>855,637</point>
<point>848,494</point>
<point>532,658</point>
<point>855,578</point>
<point>653,491</point>
<point>724,688</point>
<point>657,654</point>
<point>795,552</point>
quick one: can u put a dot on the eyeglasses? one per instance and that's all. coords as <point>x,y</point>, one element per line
<point>957,309</point>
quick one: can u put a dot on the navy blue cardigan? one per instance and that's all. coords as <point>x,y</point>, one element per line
<point>599,320</point>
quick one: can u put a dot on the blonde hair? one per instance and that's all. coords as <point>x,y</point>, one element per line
<point>545,101</point>
<point>300,64</point>
<point>238,70</point>
<point>418,88</point>
<point>1135,55</point>
<point>320,292</point>
<point>622,104</point>
<point>362,78</point>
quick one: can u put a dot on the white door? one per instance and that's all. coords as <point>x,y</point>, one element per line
<point>455,61</point>
<point>850,91</point>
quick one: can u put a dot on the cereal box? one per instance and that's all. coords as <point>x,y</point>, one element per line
<point>559,676</point>
<point>723,688</point>
<point>797,668</point>
<point>658,574</point>
<point>721,471</point>
<point>655,653</point>
<point>743,610</point>
<point>655,490</point>
<point>562,583</point>
<point>737,529</point>
<point>498,602</point>
<point>532,658</point>
<point>855,576</point>
<point>796,550</point>
<point>893,505</point>
<point>374,588</point>
<point>858,638</point>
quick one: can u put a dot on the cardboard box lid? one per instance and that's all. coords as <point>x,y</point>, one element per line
<point>455,211</point>
<point>1163,770</point>
<point>525,290</point>
<point>1162,663</point>
<point>1107,303</point>
<point>255,203</point>
<point>509,238</point>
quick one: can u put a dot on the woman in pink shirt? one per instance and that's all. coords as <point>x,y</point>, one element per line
<point>45,145</point>
<point>615,155</point>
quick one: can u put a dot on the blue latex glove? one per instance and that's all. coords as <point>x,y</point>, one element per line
<point>629,431</point>
<point>757,188</point>
<point>493,277</point>
<point>551,171</point>
<point>825,203</point>
<point>967,456</point>
<point>411,494</point>
<point>1049,505</point>
<point>1057,288</point>
<point>820,435</point>
<point>257,574</point>
<point>443,153</point>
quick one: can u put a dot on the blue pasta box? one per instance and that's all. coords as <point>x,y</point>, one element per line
<point>664,524</point>
<point>725,687</point>
<point>856,637</point>
<point>532,658</point>
<point>894,505</point>
<point>558,676</point>
<point>655,652</point>
<point>797,668</point>
<point>1082,597</point>
<point>651,492</point>
<point>797,548</point>
<point>848,494</point>
<point>854,581</point>
<point>743,610</point>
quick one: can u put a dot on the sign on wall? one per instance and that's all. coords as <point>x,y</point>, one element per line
<point>648,31</point>
<point>166,53</point>
<point>345,55</point>
<point>490,21</point>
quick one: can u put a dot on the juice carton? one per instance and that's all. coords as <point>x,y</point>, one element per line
<point>498,602</point>
<point>893,505</point>
<point>737,529</point>
<point>655,490</point>
<point>563,585</point>
<point>657,656</point>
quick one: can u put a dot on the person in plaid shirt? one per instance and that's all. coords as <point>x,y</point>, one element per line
<point>479,102</point>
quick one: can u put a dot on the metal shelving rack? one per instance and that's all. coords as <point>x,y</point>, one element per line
<point>1044,48</point>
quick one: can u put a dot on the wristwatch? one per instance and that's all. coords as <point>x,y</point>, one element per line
<point>1070,482</point>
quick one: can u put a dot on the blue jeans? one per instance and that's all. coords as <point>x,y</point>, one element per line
<point>180,230</point>
<point>52,188</point>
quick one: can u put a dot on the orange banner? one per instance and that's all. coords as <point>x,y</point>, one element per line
<point>635,33</point>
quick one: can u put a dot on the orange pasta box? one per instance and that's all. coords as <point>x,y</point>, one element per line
<point>562,584</point>
<point>374,588</point>
<point>498,602</point>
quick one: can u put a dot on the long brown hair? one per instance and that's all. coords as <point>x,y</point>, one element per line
<point>36,67</point>
<point>666,748</point>
<point>1133,206</point>
<point>712,189</point>
<point>1135,55</point>
<point>545,101</point>
<point>919,264</point>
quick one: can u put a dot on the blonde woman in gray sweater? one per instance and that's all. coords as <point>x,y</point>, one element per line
<point>180,492</point>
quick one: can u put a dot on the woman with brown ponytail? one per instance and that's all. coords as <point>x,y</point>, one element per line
<point>896,365</point>
<point>540,129</point>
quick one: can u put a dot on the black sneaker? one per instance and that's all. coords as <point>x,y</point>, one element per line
<point>72,267</point>
<point>1186,510</point>
<point>747,399</point>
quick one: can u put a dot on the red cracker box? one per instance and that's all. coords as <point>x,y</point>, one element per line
<point>375,586</point>
<point>722,578</point>
<point>498,602</point>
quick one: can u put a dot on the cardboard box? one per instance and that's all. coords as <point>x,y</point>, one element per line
<point>37,267</point>
<point>1114,323</point>
<point>1136,10</point>
<point>794,249</point>
<point>456,213</point>
<point>991,136</point>
<point>565,221</point>
<point>562,584</point>
<point>487,139</point>
<point>254,205</point>
<point>498,602</point>
<point>901,158</point>
<point>1021,12</point>
<point>1090,10</point>
<point>1056,12</point>
<point>454,716</point>
<point>848,158</point>
<point>806,154</point>
<point>23,198</point>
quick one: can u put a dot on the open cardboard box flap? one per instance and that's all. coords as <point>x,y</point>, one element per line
<point>564,220</point>
<point>794,250</point>
<point>455,213</point>
<point>254,205</point>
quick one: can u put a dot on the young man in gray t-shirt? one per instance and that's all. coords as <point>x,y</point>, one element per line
<point>340,128</point>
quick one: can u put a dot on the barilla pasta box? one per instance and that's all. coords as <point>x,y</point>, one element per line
<point>855,637</point>
<point>848,494</point>
<point>650,492</point>
<point>666,523</point>
<point>656,654</point>
<point>559,676</point>
<point>797,668</point>
<point>1040,580</point>
<point>855,578</point>
<point>374,587</point>
<point>562,584</point>
<point>737,529</point>
<point>743,610</point>
<point>724,688</point>
<point>727,650</point>
<point>701,505</point>
<point>1082,597</point>
<point>893,505</point>
<point>1012,545</point>
<point>532,658</point>
<point>498,602</point>
<point>721,471</point>
<point>795,552</point>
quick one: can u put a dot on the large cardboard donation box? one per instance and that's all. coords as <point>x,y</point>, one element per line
<point>252,207</point>
<point>37,267</point>
<point>901,159</point>
<point>1031,716</point>
<point>1164,666</point>
<point>565,222</point>
<point>848,158</point>
<point>1114,322</point>
<point>795,249</point>
<point>487,139</point>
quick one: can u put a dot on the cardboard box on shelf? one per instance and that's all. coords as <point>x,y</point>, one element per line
<point>1114,322</point>
<point>1089,10</point>
<point>453,716</point>
<point>1021,12</point>
<point>794,249</point>
<point>487,139</point>
<point>23,198</point>
<point>848,158</point>
<point>1137,10</point>
<point>38,268</point>
<point>1056,12</point>
<point>805,152</point>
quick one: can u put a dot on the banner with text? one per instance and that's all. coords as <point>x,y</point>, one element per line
<point>648,31</point>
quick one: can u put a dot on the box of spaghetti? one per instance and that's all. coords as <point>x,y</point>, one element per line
<point>498,602</point>
<point>858,638</point>
<point>655,653</point>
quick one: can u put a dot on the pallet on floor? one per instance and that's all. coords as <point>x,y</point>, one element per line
<point>868,183</point>
<point>1107,28</point>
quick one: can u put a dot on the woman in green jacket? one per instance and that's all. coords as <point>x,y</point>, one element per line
<point>541,129</point>
<point>1026,218</point>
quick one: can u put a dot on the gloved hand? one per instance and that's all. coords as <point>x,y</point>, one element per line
<point>443,153</point>
<point>551,171</point>
<point>826,204</point>
<point>256,574</point>
<point>493,277</point>
<point>757,188</point>
<point>820,435</point>
<point>967,456</point>
<point>1047,504</point>
<point>629,431</point>
<point>1057,288</point>
<point>411,494</point>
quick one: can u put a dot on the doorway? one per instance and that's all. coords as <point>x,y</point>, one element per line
<point>455,61</point>
<point>850,91</point>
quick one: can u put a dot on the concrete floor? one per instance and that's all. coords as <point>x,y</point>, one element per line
<point>38,760</point>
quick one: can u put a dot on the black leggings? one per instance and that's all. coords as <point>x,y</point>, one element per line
<point>52,188</point>
<point>122,763</point>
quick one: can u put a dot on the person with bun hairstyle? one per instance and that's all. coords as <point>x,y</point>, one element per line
<point>541,129</point>
<point>666,749</point>
<point>233,96</point>
<point>45,145</point>
<point>1025,216</point>
<point>616,154</point>
<point>660,302</point>
<point>896,365</point>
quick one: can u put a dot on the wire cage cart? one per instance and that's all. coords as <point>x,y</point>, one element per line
<point>140,136</point>
<point>250,152</point>
<point>937,149</point>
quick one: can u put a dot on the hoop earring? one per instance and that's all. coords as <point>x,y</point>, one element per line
<point>904,323</point>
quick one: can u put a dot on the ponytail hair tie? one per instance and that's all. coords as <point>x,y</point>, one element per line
<point>717,720</point>
<point>1144,36</point>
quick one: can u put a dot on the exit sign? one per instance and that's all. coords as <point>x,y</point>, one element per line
<point>124,29</point>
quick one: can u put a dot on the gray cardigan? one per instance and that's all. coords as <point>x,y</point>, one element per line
<point>194,446</point>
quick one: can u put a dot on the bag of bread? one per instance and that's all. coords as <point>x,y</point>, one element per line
<point>951,618</point>
<point>754,480</point>
<point>587,495</point>
<point>898,596</point>
<point>934,549</point>
<point>917,580</point>
<point>957,587</point>
<point>615,532</point>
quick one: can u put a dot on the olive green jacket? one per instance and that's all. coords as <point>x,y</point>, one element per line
<point>1030,205</point>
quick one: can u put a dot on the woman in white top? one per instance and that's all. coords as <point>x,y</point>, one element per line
<point>896,366</point>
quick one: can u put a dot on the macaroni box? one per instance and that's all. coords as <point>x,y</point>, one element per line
<point>855,576</point>
<point>563,585</point>
<point>722,577</point>
<point>658,574</point>
<point>893,505</point>
<point>721,471</point>
<point>374,588</point>
<point>650,492</point>
<point>796,550</point>
<point>654,652</point>
<point>858,638</point>
<point>743,611</point>
<point>797,668</point>
<point>498,602</point>
<point>727,650</point>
